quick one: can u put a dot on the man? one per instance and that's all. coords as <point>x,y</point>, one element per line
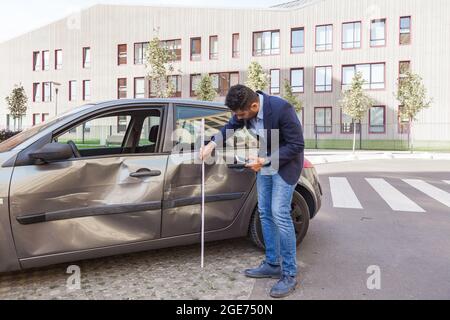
<point>261,114</point>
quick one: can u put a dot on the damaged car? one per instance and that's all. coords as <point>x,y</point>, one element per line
<point>102,180</point>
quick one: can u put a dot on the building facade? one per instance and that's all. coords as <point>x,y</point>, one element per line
<point>315,45</point>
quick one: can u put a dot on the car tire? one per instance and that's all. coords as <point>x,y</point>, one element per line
<point>300,216</point>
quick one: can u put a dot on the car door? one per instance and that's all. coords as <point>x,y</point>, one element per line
<point>225,189</point>
<point>109,196</point>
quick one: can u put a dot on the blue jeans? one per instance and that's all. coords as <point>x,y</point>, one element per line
<point>274,204</point>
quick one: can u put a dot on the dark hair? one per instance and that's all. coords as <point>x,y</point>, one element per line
<point>240,98</point>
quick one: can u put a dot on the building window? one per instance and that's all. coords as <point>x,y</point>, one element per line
<point>324,38</point>
<point>236,45</point>
<point>176,83</point>
<point>405,30</point>
<point>323,120</point>
<point>266,43</point>
<point>275,81</point>
<point>139,52</point>
<point>44,117</point>
<point>213,48</point>
<point>377,119</point>
<point>351,35</point>
<point>195,81</point>
<point>174,46</point>
<point>122,88</point>
<point>122,124</point>
<point>37,92</point>
<point>139,88</point>
<point>73,90</point>
<point>378,33</point>
<point>348,125</point>
<point>45,60</point>
<point>86,58</point>
<point>86,90</point>
<point>403,68</point>
<point>122,54</point>
<point>373,75</point>
<point>37,61</point>
<point>196,49</point>
<point>298,40</point>
<point>403,122</point>
<point>324,79</point>
<point>58,59</point>
<point>297,80</point>
<point>36,118</point>
<point>47,87</point>
<point>222,82</point>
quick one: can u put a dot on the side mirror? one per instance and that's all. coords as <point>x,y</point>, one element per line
<point>53,152</point>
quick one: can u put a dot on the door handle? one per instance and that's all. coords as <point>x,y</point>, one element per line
<point>143,173</point>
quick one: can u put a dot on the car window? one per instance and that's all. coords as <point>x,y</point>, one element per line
<point>188,123</point>
<point>150,131</point>
<point>104,132</point>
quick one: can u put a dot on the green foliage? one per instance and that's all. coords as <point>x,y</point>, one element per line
<point>17,102</point>
<point>291,97</point>
<point>412,96</point>
<point>257,78</point>
<point>160,62</point>
<point>6,134</point>
<point>205,90</point>
<point>356,102</point>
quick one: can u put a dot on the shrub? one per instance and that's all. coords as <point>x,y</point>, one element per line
<point>6,134</point>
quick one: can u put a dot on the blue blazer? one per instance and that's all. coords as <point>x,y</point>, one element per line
<point>278,114</point>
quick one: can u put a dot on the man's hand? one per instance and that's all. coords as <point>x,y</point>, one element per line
<point>206,151</point>
<point>256,163</point>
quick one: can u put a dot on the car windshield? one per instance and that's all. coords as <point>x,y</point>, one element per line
<point>16,140</point>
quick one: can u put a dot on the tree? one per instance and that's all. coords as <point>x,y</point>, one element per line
<point>257,78</point>
<point>17,104</point>
<point>412,96</point>
<point>205,90</point>
<point>291,97</point>
<point>356,103</point>
<point>159,60</point>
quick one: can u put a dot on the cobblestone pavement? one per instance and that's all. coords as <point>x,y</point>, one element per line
<point>172,273</point>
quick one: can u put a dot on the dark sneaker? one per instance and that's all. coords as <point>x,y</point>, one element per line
<point>265,270</point>
<point>284,287</point>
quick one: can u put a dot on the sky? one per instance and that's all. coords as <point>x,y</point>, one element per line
<point>20,16</point>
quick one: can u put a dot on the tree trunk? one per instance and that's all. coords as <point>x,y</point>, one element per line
<point>354,137</point>
<point>411,129</point>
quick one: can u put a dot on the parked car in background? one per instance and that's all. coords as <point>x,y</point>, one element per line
<point>103,179</point>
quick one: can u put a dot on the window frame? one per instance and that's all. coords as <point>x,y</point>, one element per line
<point>325,126</point>
<point>121,55</point>
<point>44,97</point>
<point>356,125</point>
<point>138,62</point>
<point>376,40</point>
<point>58,66</point>
<point>279,82</point>
<point>400,31</point>
<point>384,120</point>
<point>178,94</point>
<point>37,90</point>
<point>213,55</point>
<point>326,44</point>
<point>165,43</point>
<point>134,87</point>
<point>71,96</point>
<point>360,35</point>
<point>44,66</point>
<point>121,88</point>
<point>292,40</point>
<point>235,53</point>
<point>37,61</point>
<point>290,80</point>
<point>401,125</point>
<point>370,83</point>
<point>199,55</point>
<point>315,79</point>
<point>254,52</point>
<point>191,76</point>
<point>84,90</point>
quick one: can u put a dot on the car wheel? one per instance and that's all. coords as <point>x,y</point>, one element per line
<point>300,217</point>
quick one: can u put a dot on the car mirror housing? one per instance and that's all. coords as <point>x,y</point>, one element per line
<point>52,152</point>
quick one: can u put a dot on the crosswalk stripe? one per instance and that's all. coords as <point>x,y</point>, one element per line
<point>343,195</point>
<point>430,190</point>
<point>394,198</point>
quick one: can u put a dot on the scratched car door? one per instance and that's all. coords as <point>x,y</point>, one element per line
<point>225,189</point>
<point>92,202</point>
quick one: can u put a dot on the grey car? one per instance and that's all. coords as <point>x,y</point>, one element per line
<point>103,179</point>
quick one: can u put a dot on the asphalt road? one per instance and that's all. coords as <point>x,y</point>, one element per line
<point>394,215</point>
<point>409,247</point>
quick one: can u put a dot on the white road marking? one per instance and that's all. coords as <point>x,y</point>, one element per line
<point>430,190</point>
<point>343,195</point>
<point>447,181</point>
<point>394,198</point>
